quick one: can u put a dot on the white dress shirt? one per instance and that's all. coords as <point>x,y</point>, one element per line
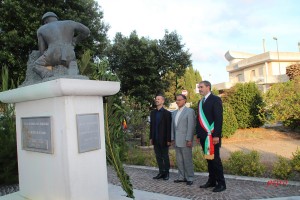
<point>178,114</point>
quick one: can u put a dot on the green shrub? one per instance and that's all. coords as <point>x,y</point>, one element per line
<point>282,104</point>
<point>150,159</point>
<point>296,160</point>
<point>282,169</point>
<point>253,166</point>
<point>136,116</point>
<point>200,164</point>
<point>230,123</point>
<point>234,163</point>
<point>215,91</point>
<point>246,101</point>
<point>137,156</point>
<point>246,164</point>
<point>8,143</point>
<point>8,150</point>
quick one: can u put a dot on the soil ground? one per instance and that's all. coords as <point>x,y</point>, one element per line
<point>269,142</point>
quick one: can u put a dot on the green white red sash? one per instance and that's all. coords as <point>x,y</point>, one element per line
<point>208,146</point>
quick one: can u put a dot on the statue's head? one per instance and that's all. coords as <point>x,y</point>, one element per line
<point>47,15</point>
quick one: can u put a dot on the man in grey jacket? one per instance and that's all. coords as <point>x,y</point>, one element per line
<point>182,134</point>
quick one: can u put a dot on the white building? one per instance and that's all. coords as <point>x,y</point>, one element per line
<point>264,69</point>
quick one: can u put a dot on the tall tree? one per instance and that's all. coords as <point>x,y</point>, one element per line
<point>142,63</point>
<point>19,21</point>
<point>188,82</point>
<point>133,60</point>
<point>171,54</point>
<point>172,88</point>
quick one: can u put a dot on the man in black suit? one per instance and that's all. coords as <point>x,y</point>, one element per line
<point>209,133</point>
<point>160,136</point>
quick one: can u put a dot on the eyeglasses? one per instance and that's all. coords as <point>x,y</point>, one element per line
<point>179,99</point>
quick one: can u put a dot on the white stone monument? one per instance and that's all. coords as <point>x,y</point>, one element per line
<point>61,139</point>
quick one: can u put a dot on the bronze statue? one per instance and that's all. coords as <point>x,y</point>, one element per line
<point>56,57</point>
<point>56,43</point>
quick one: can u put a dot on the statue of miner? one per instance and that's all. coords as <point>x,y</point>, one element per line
<point>56,42</point>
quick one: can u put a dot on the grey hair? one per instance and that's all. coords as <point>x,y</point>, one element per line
<point>206,83</point>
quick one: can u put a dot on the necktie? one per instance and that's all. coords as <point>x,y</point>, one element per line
<point>203,99</point>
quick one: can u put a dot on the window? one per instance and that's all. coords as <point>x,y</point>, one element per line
<point>261,71</point>
<point>252,75</point>
<point>240,78</point>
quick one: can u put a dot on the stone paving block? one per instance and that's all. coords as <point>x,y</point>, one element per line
<point>236,189</point>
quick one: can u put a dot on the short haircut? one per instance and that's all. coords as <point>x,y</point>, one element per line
<point>206,83</point>
<point>161,95</point>
<point>181,95</point>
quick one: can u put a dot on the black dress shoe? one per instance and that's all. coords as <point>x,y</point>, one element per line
<point>189,183</point>
<point>180,181</point>
<point>166,177</point>
<point>219,188</point>
<point>158,176</point>
<point>208,184</point>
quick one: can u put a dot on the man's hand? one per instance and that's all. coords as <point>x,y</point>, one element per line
<point>198,140</point>
<point>172,142</point>
<point>168,144</point>
<point>216,140</point>
<point>189,143</point>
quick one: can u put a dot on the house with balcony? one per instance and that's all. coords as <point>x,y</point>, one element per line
<point>264,69</point>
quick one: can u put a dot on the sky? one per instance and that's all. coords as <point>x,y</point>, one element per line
<point>210,28</point>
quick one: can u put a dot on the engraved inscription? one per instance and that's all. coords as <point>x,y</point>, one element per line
<point>88,132</point>
<point>36,134</point>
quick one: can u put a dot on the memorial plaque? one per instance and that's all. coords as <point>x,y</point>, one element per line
<point>36,134</point>
<point>88,132</point>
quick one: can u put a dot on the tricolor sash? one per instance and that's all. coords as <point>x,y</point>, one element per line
<point>209,149</point>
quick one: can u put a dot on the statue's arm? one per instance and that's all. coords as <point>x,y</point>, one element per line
<point>82,32</point>
<point>41,43</point>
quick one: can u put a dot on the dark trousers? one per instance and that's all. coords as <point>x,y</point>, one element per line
<point>162,158</point>
<point>215,167</point>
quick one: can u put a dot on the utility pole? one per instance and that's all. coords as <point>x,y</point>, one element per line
<point>275,38</point>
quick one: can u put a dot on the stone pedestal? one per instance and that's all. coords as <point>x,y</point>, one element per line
<point>61,139</point>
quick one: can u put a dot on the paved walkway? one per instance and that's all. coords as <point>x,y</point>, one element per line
<point>145,188</point>
<point>238,188</point>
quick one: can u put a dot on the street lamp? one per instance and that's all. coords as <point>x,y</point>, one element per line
<point>275,38</point>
